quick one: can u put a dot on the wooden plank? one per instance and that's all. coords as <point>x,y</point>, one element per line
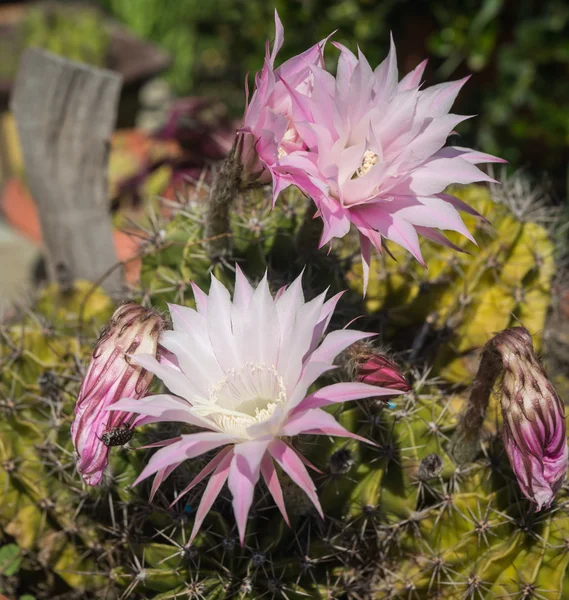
<point>65,114</point>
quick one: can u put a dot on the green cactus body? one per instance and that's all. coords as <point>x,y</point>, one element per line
<point>465,298</point>
<point>402,521</point>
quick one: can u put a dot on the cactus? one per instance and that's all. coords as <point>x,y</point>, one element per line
<point>402,519</point>
<point>462,298</point>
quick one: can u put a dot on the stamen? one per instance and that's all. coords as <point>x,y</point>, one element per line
<point>289,138</point>
<point>244,397</point>
<point>370,159</point>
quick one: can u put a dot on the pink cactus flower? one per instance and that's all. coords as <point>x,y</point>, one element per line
<point>534,430</point>
<point>367,148</point>
<point>112,375</point>
<point>377,149</point>
<point>245,368</point>
<point>269,131</point>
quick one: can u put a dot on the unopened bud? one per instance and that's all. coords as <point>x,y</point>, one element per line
<point>534,429</point>
<point>369,365</point>
<point>112,375</point>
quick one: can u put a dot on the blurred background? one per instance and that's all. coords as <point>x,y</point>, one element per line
<point>184,65</point>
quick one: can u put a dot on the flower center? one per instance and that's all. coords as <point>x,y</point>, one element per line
<point>370,159</point>
<point>245,396</point>
<point>290,141</point>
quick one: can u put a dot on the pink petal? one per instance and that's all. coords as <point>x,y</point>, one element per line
<point>161,443</point>
<point>365,246</point>
<point>288,303</point>
<point>189,446</point>
<point>270,476</point>
<point>173,379</point>
<point>386,74</point>
<point>336,342</point>
<point>310,373</point>
<point>328,310</point>
<point>413,78</point>
<point>343,392</point>
<point>200,298</point>
<point>462,206</point>
<point>346,65</point>
<point>437,100</point>
<point>336,220</point>
<point>316,421</point>
<point>308,463</point>
<point>292,465</point>
<point>214,485</point>
<point>183,317</point>
<point>297,340</point>
<point>472,156</point>
<point>439,172</point>
<point>243,476</point>
<point>161,407</point>
<point>168,359</point>
<point>211,465</point>
<point>429,212</point>
<point>279,37</point>
<point>258,328</point>
<point>439,238</point>
<point>196,360</point>
<point>350,161</point>
<point>432,138</point>
<point>159,478</point>
<point>324,320</point>
<point>392,227</point>
<point>280,183</point>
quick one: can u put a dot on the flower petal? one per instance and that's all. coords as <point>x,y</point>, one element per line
<point>337,342</point>
<point>162,407</point>
<point>214,485</point>
<point>343,392</point>
<point>189,446</point>
<point>173,379</point>
<point>316,421</point>
<point>211,466</point>
<point>292,465</point>
<point>161,476</point>
<point>273,484</point>
<point>243,476</point>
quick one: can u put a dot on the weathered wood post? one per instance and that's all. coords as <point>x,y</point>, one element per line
<point>65,114</point>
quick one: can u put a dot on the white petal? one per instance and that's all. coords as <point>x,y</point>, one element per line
<point>219,326</point>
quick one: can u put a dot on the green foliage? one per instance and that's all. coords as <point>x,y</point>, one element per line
<point>77,33</point>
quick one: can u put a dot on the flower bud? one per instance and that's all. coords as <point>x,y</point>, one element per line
<point>534,428</point>
<point>111,375</point>
<point>368,365</point>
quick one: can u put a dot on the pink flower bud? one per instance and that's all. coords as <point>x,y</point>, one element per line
<point>112,375</point>
<point>369,365</point>
<point>534,429</point>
